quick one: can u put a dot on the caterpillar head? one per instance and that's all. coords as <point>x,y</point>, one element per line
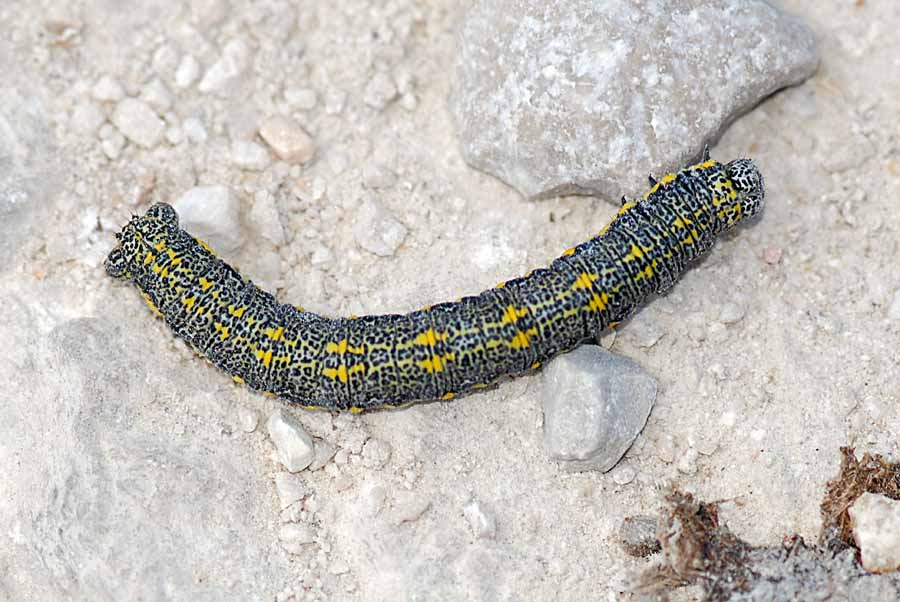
<point>138,238</point>
<point>749,185</point>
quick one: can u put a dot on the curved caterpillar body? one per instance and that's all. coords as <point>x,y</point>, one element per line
<point>444,350</point>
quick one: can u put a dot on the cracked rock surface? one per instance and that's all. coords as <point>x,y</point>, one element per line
<point>588,97</point>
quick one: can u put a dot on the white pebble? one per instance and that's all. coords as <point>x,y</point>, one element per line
<point>158,96</point>
<point>187,72</point>
<point>623,475</point>
<point>290,489</point>
<point>289,141</point>
<point>875,520</point>
<point>334,101</point>
<point>248,419</point>
<point>483,524</point>
<point>322,255</point>
<point>687,464</point>
<point>376,229</point>
<point>108,89</point>
<point>294,447</point>
<point>249,155</point>
<point>211,213</point>
<point>409,102</point>
<point>380,91</point>
<point>301,98</point>
<point>222,74</point>
<point>138,122</point>
<point>194,130</point>
<point>376,453</point>
<point>324,453</point>
<point>731,313</point>
<point>893,311</point>
<point>112,145</point>
<point>174,135</point>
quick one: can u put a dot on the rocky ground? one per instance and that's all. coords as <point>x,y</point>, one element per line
<point>326,135</point>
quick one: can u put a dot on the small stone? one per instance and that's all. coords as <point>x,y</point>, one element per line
<point>483,524</point>
<point>324,453</point>
<point>174,135</point>
<point>376,229</point>
<point>87,117</point>
<point>893,310</point>
<point>294,447</point>
<point>875,520</point>
<point>320,256</point>
<point>687,464</point>
<point>409,102</point>
<point>637,536</point>
<point>623,475</point>
<point>224,73</point>
<point>289,141</point>
<point>595,404</point>
<point>665,449</point>
<point>335,101</point>
<point>248,419</point>
<point>194,130</point>
<point>249,155</point>
<point>578,96</point>
<point>158,96</point>
<point>290,488</point>
<point>187,72</point>
<point>112,145</point>
<point>165,59</point>
<point>138,122</point>
<point>376,453</point>
<point>108,89</point>
<point>380,91</point>
<point>211,214</point>
<point>301,98</point>
<point>731,313</point>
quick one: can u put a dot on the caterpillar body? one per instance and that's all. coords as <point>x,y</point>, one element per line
<point>443,350</point>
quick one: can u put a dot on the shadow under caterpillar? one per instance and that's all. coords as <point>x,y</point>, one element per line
<point>443,350</point>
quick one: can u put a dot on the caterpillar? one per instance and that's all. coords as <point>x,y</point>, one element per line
<point>443,350</point>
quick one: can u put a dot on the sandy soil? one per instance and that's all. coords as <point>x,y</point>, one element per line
<point>128,470</point>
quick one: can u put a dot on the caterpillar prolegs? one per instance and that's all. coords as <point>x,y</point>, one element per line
<point>443,350</point>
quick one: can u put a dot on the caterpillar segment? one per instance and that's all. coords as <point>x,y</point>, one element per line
<point>444,350</point>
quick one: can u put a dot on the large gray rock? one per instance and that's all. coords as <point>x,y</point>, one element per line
<point>595,404</point>
<point>585,96</point>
